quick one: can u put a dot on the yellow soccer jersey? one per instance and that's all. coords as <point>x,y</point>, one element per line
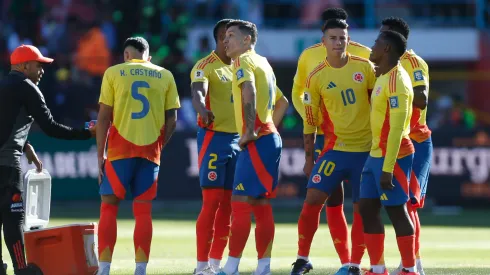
<point>338,99</point>
<point>140,93</point>
<point>255,68</point>
<point>418,71</point>
<point>219,99</point>
<point>391,109</point>
<point>309,59</point>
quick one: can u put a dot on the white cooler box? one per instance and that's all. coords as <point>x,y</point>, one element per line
<point>37,199</point>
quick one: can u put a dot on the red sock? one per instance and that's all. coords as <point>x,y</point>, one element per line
<point>357,237</point>
<point>417,234</point>
<point>143,231</point>
<point>339,232</point>
<point>308,223</point>
<point>264,230</point>
<point>107,231</point>
<point>375,244</point>
<point>204,226</point>
<point>222,224</point>
<point>240,227</point>
<point>406,245</point>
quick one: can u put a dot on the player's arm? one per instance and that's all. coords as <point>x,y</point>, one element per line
<point>172,103</point>
<point>312,101</point>
<point>280,108</point>
<point>249,105</point>
<point>199,89</point>
<point>420,82</point>
<point>399,103</point>
<point>106,108</point>
<point>299,85</point>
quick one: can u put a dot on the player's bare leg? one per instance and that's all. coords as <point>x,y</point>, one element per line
<point>242,208</point>
<point>107,233</point>
<point>308,223</point>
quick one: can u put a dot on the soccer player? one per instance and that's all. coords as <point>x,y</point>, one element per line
<point>140,100</point>
<point>218,149</point>
<point>309,59</point>
<point>386,174</point>
<point>338,91</point>
<point>254,89</point>
<point>420,134</point>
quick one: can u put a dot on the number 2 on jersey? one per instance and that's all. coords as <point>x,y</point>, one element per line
<point>349,95</point>
<point>136,95</point>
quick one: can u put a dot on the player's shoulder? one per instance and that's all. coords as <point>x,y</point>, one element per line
<point>413,61</point>
<point>358,49</point>
<point>313,51</point>
<point>354,44</point>
<point>361,62</point>
<point>204,63</point>
<point>248,58</point>
<point>315,73</point>
<point>399,78</point>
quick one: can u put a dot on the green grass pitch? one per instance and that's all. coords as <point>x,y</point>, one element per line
<point>451,244</point>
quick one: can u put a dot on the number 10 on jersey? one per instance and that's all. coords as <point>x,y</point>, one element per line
<point>348,97</point>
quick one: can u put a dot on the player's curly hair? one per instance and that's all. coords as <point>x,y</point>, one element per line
<point>396,40</point>
<point>139,43</point>
<point>219,24</point>
<point>245,27</point>
<point>397,24</point>
<point>334,13</point>
<point>334,24</point>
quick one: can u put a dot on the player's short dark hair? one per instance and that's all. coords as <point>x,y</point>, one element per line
<point>397,41</point>
<point>397,24</point>
<point>245,27</point>
<point>139,43</point>
<point>221,23</point>
<point>334,13</point>
<point>334,24</point>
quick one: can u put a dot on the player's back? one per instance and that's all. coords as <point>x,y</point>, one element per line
<point>252,67</point>
<point>141,93</point>
<point>392,93</point>
<point>219,100</point>
<point>344,103</point>
<point>418,71</point>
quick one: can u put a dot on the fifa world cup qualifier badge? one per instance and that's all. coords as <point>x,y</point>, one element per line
<point>239,74</point>
<point>418,75</point>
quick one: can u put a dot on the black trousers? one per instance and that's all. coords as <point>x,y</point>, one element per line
<point>12,214</point>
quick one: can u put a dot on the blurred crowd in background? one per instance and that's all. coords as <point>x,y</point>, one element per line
<point>85,37</point>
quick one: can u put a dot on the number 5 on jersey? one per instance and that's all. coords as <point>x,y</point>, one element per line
<point>137,96</point>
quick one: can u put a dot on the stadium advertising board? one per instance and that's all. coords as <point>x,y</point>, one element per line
<point>460,168</point>
<point>287,45</point>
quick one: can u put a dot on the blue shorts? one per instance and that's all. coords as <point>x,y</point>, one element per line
<point>257,168</point>
<point>370,185</point>
<point>139,174</point>
<point>335,166</point>
<point>420,171</point>
<point>319,142</point>
<point>218,153</point>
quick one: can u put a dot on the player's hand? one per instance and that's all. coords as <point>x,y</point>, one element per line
<point>308,167</point>
<point>101,161</point>
<point>32,158</point>
<point>386,181</point>
<point>93,130</point>
<point>207,117</point>
<point>248,137</point>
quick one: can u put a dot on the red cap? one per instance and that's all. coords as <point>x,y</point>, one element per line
<point>25,53</point>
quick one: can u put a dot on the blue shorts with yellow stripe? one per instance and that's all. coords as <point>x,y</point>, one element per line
<point>333,167</point>
<point>257,168</point>
<point>370,181</point>
<point>218,154</point>
<point>420,171</point>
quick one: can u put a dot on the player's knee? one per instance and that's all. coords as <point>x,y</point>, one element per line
<point>368,209</point>
<point>110,199</point>
<point>315,196</point>
<point>142,208</point>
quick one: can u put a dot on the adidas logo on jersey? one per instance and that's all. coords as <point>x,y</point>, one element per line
<point>331,85</point>
<point>239,187</point>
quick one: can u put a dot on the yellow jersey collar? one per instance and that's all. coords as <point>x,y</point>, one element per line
<point>137,61</point>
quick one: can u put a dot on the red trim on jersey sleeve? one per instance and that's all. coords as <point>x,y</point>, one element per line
<point>392,85</point>
<point>385,130</point>
<point>316,70</point>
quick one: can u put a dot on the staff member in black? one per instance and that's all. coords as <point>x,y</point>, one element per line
<point>22,103</point>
